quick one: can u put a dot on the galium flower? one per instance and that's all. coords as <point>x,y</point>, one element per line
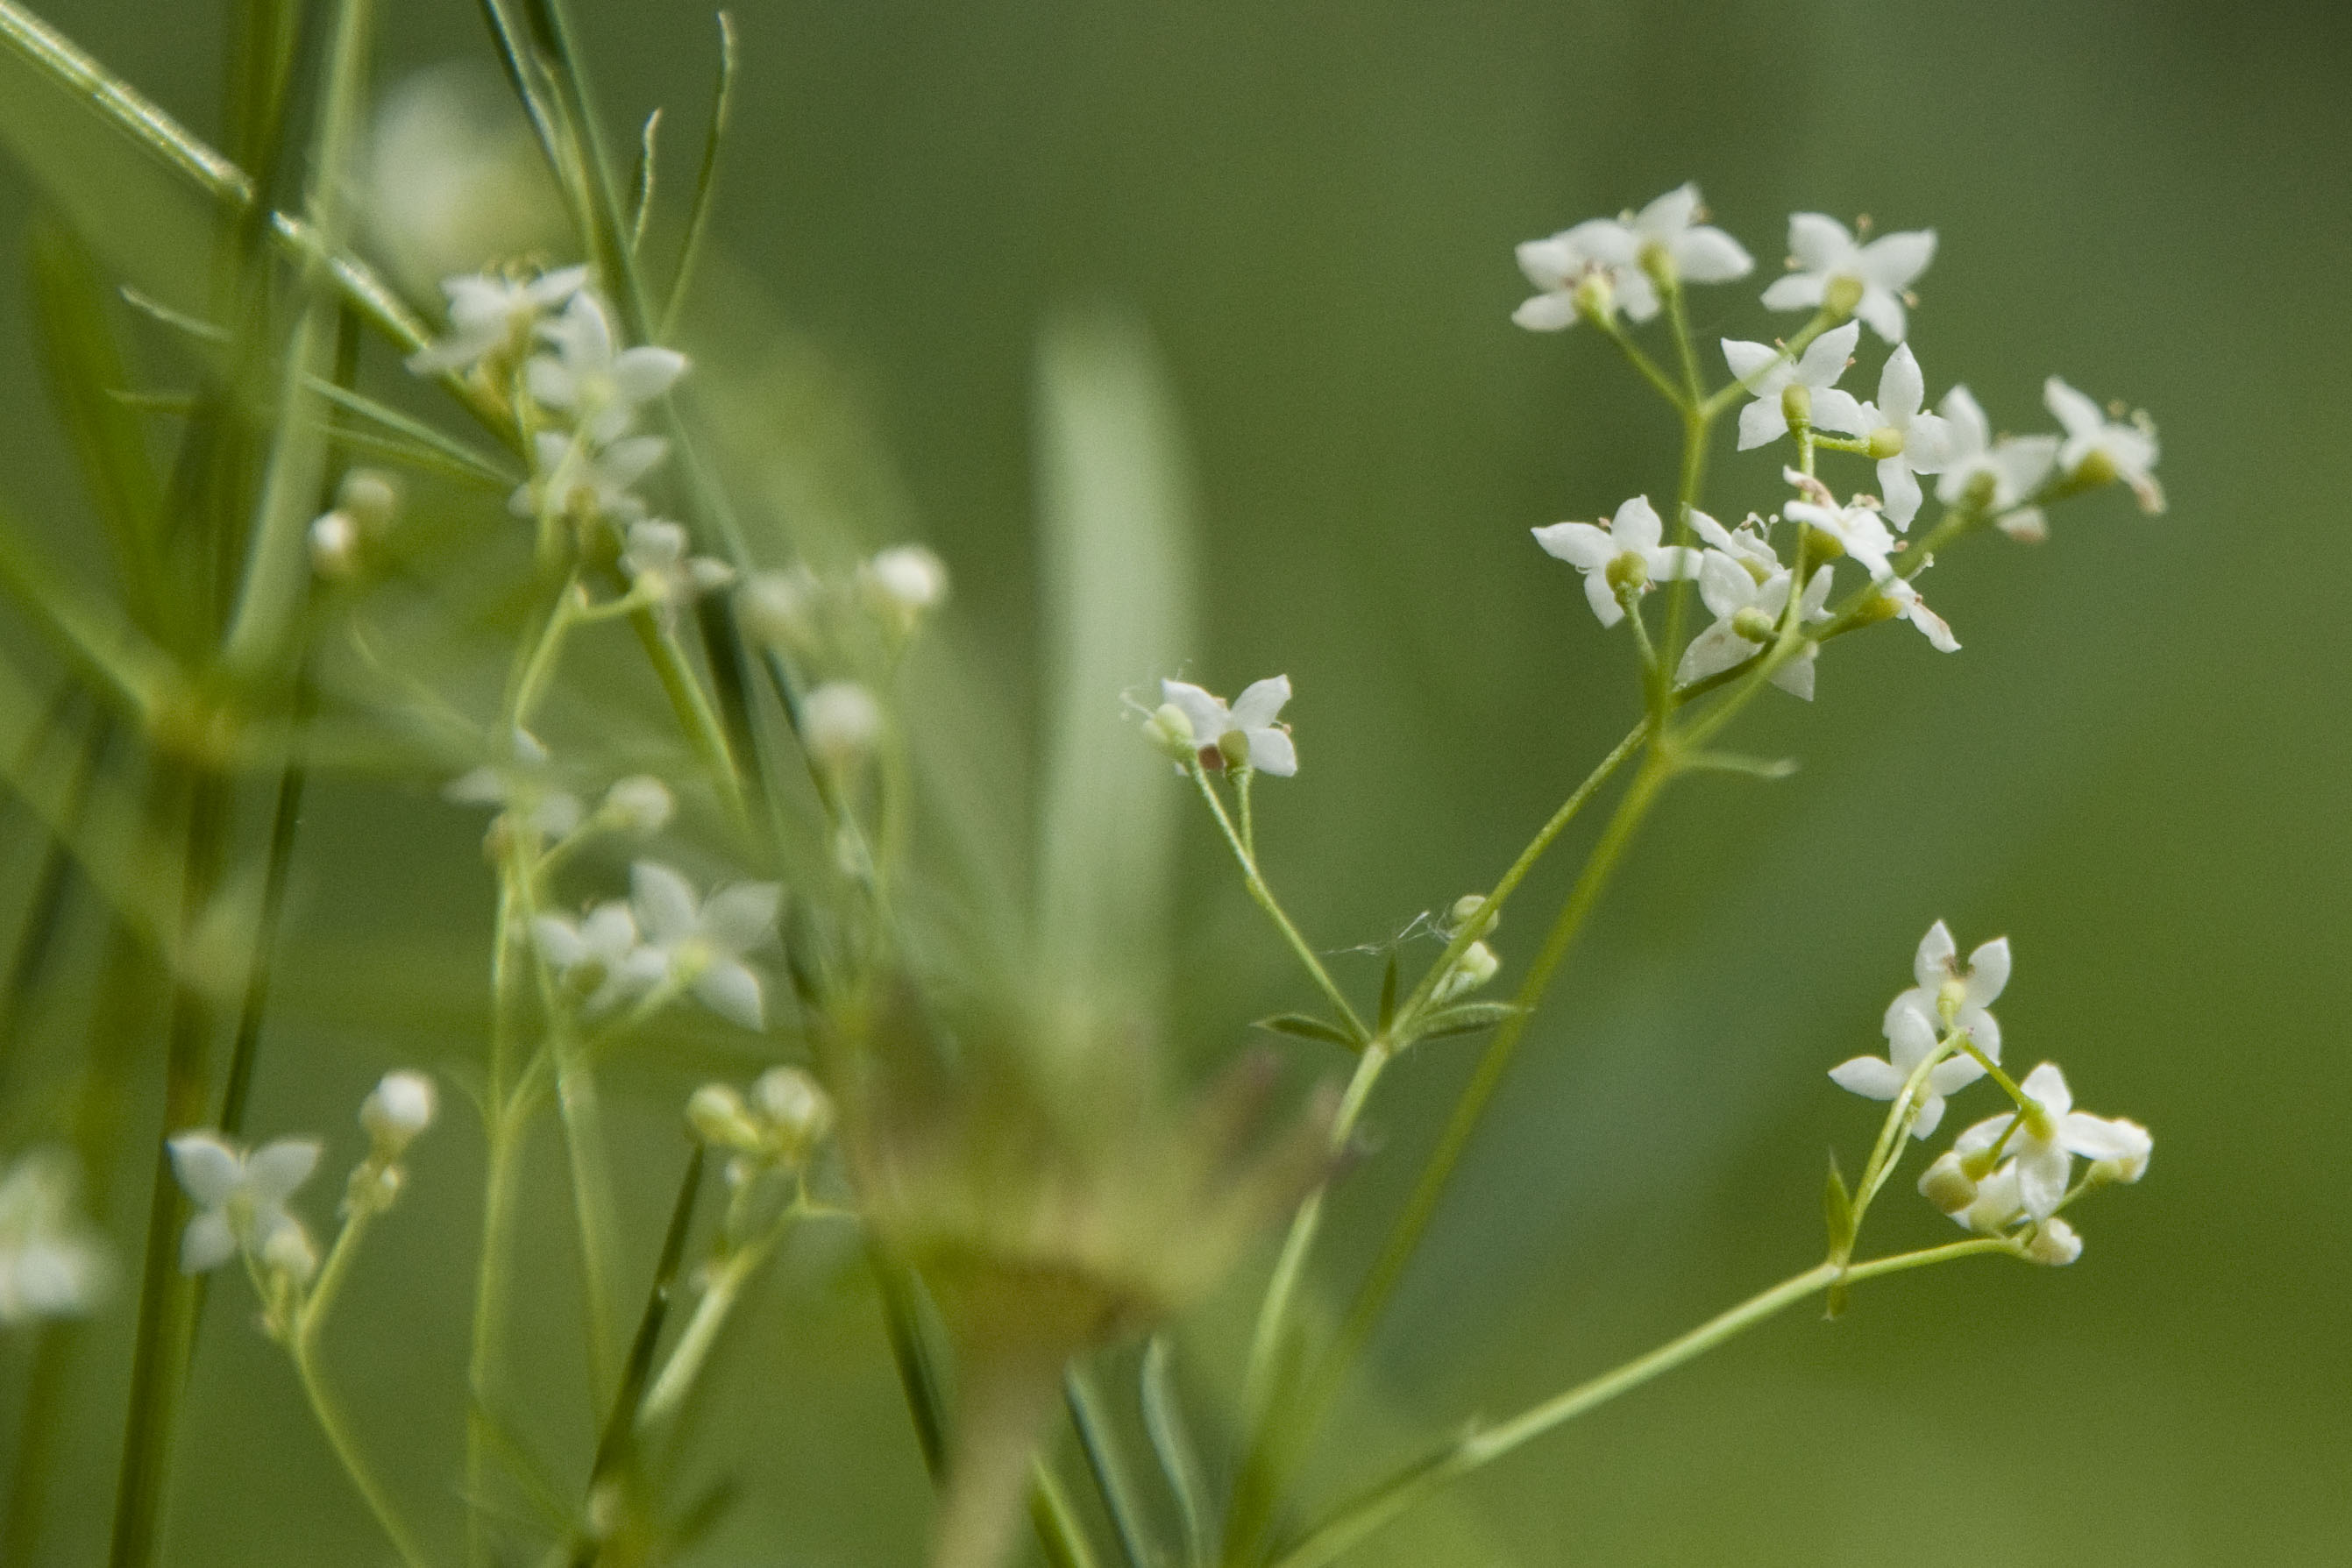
<point>1748,610</point>
<point>2005,473</point>
<point>841,723</point>
<point>599,952</point>
<point>490,314</point>
<point>240,1199</point>
<point>782,608</point>
<point>53,1263</point>
<point>658,566</point>
<point>1805,386</point>
<point>1627,254</point>
<point>1855,526</point>
<point>399,1108</point>
<point>602,388</point>
<point>1959,996</point>
<point>2041,1142</point>
<point>1629,555</point>
<point>1870,282</point>
<point>1249,733</point>
<point>639,803</point>
<point>1910,1041</point>
<point>1906,441</point>
<point>521,789</point>
<point>1902,600</point>
<point>569,479</point>
<point>2098,449</point>
<point>701,941</point>
<point>903,584</point>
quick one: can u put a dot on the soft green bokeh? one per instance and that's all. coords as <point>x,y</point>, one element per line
<point>2137,767</point>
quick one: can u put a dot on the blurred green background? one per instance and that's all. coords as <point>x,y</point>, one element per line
<point>2137,767</point>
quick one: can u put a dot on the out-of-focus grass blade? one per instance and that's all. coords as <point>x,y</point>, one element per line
<point>414,440</point>
<point>722,103</point>
<point>84,629</point>
<point>1171,1441</point>
<point>641,186</point>
<point>1115,514</point>
<point>86,373</point>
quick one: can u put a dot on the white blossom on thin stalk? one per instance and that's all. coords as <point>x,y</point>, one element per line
<point>1960,996</point>
<point>1748,614</point>
<point>1612,253</point>
<point>53,1263</point>
<point>602,388</point>
<point>658,567</point>
<point>1770,376</point>
<point>903,584</point>
<point>1856,526</point>
<point>841,723</point>
<point>2013,467</point>
<point>1248,734</point>
<point>1629,553</point>
<point>1824,254</point>
<point>639,803</point>
<point>1906,441</point>
<point>703,940</point>
<point>489,313</point>
<point>601,951</point>
<point>522,788</point>
<point>1744,544</point>
<point>1904,597</point>
<point>1910,1041</point>
<point>569,479</point>
<point>2126,450</point>
<point>2045,1142</point>
<point>398,1109</point>
<point>240,1198</point>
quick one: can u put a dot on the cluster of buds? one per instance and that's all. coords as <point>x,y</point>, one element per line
<point>1193,727</point>
<point>2009,1175</point>
<point>530,800</point>
<point>768,1137</point>
<point>840,635</point>
<point>366,504</point>
<point>400,1106</point>
<point>1477,966</point>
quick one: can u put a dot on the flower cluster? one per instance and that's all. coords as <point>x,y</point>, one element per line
<point>1190,725</point>
<point>663,940</point>
<point>1750,578</point>
<point>531,800</point>
<point>2009,1175</point>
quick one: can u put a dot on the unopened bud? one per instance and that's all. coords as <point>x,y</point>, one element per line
<point>290,1253</point>
<point>2096,469</point>
<point>1596,297</point>
<point>334,546</point>
<point>370,497</point>
<point>1841,295</point>
<point>840,722</point>
<point>1947,1185</point>
<point>639,804</point>
<point>2054,1243</point>
<point>779,608</point>
<point>1476,966</point>
<point>1468,907</point>
<point>1753,624</point>
<point>1234,746</point>
<point>400,1107</point>
<point>1628,570</point>
<point>1797,404</point>
<point>902,585</point>
<point>794,1105</point>
<point>1886,442</point>
<point>1170,729</point>
<point>718,1115</point>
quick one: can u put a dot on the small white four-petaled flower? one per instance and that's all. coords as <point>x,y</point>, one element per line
<point>1775,381</point>
<point>1626,556</point>
<point>601,387</point>
<point>2127,451</point>
<point>2046,1139</point>
<point>1855,526</point>
<point>489,313</point>
<point>2008,471</point>
<point>1959,995</point>
<point>1827,262</point>
<point>1748,610</point>
<point>52,1261</point>
<point>1910,1041</point>
<point>702,940</point>
<point>240,1198</point>
<point>1618,255</point>
<point>1249,733</point>
<point>659,568</point>
<point>1906,441</point>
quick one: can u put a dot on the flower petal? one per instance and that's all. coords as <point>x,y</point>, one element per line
<point>1261,703</point>
<point>1893,261</point>
<point>731,989</point>
<point>1871,1077</point>
<point>273,1171</point>
<point>667,908</point>
<point>740,917</point>
<point>1545,312</point>
<point>1581,545</point>
<point>209,1170</point>
<point>1819,243</point>
<point>1270,751</point>
<point>206,1243</point>
<point>1711,255</point>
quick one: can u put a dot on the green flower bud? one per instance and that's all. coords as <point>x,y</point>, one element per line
<point>1466,908</point>
<point>1797,404</point>
<point>718,1115</point>
<point>1628,570</point>
<point>1886,442</point>
<point>370,497</point>
<point>1842,295</point>
<point>1753,624</point>
<point>1234,746</point>
<point>2096,469</point>
<point>1168,729</point>
<point>1947,1185</point>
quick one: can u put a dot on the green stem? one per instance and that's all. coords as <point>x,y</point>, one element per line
<point>1263,894</point>
<point>594,1207</point>
<point>700,1335</point>
<point>340,1437</point>
<point>1104,1463</point>
<point>1360,1519</point>
<point>695,713</point>
<point>1272,1452</point>
<point>490,1282</point>
<point>1697,426</point>
<point>1643,362</point>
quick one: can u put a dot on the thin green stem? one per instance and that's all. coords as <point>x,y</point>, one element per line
<point>499,1191</point>
<point>1258,890</point>
<point>1106,1466</point>
<point>594,1207</point>
<point>1375,1508</point>
<point>1642,361</point>
<point>345,1443</point>
<point>1274,1310</point>
<point>694,712</point>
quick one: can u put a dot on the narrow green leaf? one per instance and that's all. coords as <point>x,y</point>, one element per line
<point>84,629</point>
<point>1837,1211</point>
<point>1306,1027</point>
<point>1171,1442</point>
<point>178,320</point>
<point>1464,1017</point>
<point>722,102</point>
<point>86,374</point>
<point>1107,1465</point>
<point>447,453</point>
<point>641,186</point>
<point>1389,993</point>
<point>1767,767</point>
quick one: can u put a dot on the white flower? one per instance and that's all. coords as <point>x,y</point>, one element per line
<point>659,568</point>
<point>1748,614</point>
<point>1770,376</point>
<point>2054,1243</point>
<point>1907,441</point>
<point>1744,544</point>
<point>397,1109</point>
<point>840,723</point>
<point>1615,251</point>
<point>603,389</point>
<point>600,948</point>
<point>702,940</point>
<point>1248,733</point>
<point>1626,554</point>
<point>2014,466</point>
<point>1910,1041</point>
<point>1899,592</point>
<point>240,1198</point>
<point>2048,1137</point>
<point>1959,996</point>
<point>903,584</point>
<point>52,1263</point>
<point>2105,446</point>
<point>569,479</point>
<point>1875,275</point>
<point>487,314</point>
<point>782,608</point>
<point>521,789</point>
<point>1857,527</point>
